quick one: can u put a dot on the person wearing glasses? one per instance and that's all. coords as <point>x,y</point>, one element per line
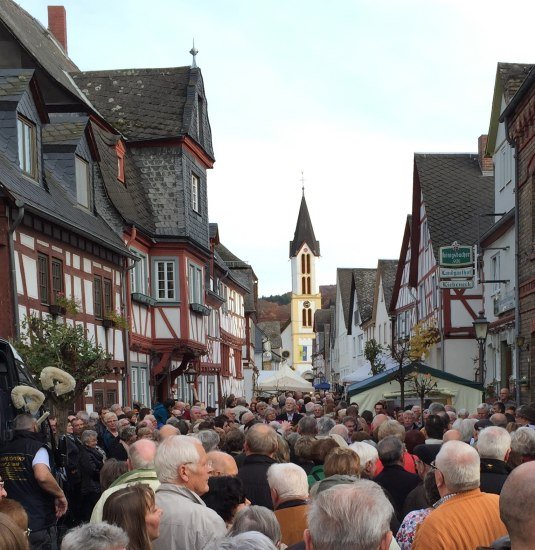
<point>464,517</point>
<point>183,470</point>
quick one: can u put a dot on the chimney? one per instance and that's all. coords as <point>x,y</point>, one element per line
<point>485,163</point>
<point>57,24</point>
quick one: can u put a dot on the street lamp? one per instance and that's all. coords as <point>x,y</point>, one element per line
<point>481,328</point>
<point>190,374</point>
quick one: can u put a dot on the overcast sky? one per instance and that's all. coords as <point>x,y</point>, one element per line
<point>346,91</point>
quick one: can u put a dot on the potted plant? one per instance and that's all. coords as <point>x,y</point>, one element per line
<point>63,305</point>
<point>114,319</point>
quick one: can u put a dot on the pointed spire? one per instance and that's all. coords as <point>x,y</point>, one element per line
<point>303,182</point>
<point>194,51</point>
<point>304,232</point>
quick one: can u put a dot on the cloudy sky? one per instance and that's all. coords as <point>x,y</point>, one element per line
<point>346,91</point>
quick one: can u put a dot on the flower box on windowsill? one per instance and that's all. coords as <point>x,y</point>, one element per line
<point>108,323</point>
<point>55,310</point>
<point>143,299</point>
<point>199,308</point>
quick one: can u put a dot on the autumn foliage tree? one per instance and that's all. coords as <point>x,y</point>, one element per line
<point>373,351</point>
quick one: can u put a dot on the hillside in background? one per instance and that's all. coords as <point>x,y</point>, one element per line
<point>277,307</point>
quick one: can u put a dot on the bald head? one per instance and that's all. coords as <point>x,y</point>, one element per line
<point>261,439</point>
<point>222,464</point>
<point>452,435</point>
<point>167,431</point>
<point>517,505</point>
<point>378,419</point>
<point>499,419</point>
<point>141,454</point>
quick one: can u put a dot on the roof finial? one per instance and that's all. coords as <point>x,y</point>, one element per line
<point>303,182</point>
<point>194,51</point>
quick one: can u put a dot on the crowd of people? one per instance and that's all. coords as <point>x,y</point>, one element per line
<point>295,471</point>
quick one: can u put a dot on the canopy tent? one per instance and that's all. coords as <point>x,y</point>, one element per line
<point>284,379</point>
<point>322,386</point>
<point>363,372</point>
<point>451,389</point>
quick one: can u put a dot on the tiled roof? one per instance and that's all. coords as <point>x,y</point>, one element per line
<point>344,280</point>
<point>40,44</point>
<point>387,269</point>
<point>304,232</point>
<point>143,104</point>
<point>56,205</point>
<point>365,288</point>
<point>231,259</point>
<point>131,199</point>
<point>64,132</point>
<point>455,195</point>
<point>13,83</point>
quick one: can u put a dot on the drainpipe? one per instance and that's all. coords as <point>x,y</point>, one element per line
<point>16,222</point>
<point>511,142</point>
<point>128,311</point>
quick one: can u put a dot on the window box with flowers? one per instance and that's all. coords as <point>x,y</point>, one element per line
<point>63,305</point>
<point>115,319</point>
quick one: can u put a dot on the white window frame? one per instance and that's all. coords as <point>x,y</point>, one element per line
<point>170,292</point>
<point>27,145</point>
<point>195,283</point>
<point>138,274</point>
<point>140,384</point>
<point>83,188</point>
<point>495,269</point>
<point>421,301</point>
<point>360,344</point>
<point>195,190</point>
<point>434,292</point>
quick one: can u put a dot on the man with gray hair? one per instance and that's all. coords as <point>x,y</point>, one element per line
<point>355,515</point>
<point>325,425</point>
<point>493,446</point>
<point>307,426</point>
<point>98,536</point>
<point>209,439</point>
<point>464,516</point>
<point>183,470</point>
<point>140,470</point>
<point>289,492</point>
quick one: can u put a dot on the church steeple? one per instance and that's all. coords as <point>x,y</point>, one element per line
<point>304,232</point>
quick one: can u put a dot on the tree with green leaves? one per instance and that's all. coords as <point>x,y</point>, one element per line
<point>46,342</point>
<point>400,352</point>
<point>373,351</point>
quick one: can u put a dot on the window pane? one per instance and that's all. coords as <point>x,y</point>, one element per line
<point>97,297</point>
<point>28,149</point>
<point>20,135</point>
<point>57,276</point>
<point>108,303</point>
<point>43,278</point>
<point>82,182</point>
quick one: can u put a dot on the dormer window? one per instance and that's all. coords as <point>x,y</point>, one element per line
<point>27,147</point>
<point>83,196</point>
<point>195,185</point>
<point>121,151</point>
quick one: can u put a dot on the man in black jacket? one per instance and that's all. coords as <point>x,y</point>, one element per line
<point>290,413</point>
<point>26,471</point>
<point>493,446</point>
<point>260,446</point>
<point>394,478</point>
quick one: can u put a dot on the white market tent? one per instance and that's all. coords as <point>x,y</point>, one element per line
<point>284,379</point>
<point>363,372</point>
<point>451,389</point>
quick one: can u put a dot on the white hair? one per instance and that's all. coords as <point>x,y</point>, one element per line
<point>87,435</point>
<point>289,480</point>
<point>257,518</point>
<point>467,429</point>
<point>367,453</point>
<point>250,540</point>
<point>523,441</point>
<point>95,536</point>
<point>325,425</point>
<point>460,466</point>
<point>493,442</point>
<point>172,453</point>
<point>355,515</point>
<point>340,430</point>
<point>209,439</point>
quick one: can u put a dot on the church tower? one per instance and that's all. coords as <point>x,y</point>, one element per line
<point>306,299</point>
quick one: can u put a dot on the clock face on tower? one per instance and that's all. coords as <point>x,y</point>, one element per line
<point>306,304</point>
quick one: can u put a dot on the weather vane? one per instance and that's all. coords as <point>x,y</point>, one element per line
<point>303,182</point>
<point>194,51</point>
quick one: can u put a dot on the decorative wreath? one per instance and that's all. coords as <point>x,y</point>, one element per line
<point>28,398</point>
<point>60,381</point>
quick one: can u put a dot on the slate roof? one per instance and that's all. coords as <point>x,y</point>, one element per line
<point>321,317</point>
<point>272,329</point>
<point>229,258</point>
<point>40,44</point>
<point>13,83</point>
<point>512,75</point>
<point>344,280</point>
<point>131,199</point>
<point>388,269</point>
<point>304,232</point>
<point>365,289</point>
<point>56,204</point>
<point>455,194</point>
<point>68,133</point>
<point>143,104</point>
